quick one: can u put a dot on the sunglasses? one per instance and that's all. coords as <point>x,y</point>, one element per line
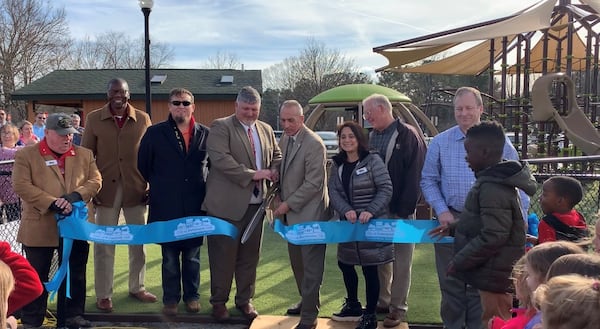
<point>184,103</point>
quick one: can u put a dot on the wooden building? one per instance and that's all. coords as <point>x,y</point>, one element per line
<point>83,91</point>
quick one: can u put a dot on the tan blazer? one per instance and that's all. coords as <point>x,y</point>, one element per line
<point>303,178</point>
<point>229,183</point>
<point>39,184</point>
<point>116,152</point>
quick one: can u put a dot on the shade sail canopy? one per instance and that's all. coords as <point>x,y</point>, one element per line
<point>356,93</point>
<point>472,61</point>
<point>557,51</point>
<point>476,60</point>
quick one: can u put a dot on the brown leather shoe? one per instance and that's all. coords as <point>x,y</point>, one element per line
<point>248,311</point>
<point>192,306</point>
<point>395,318</point>
<point>220,312</point>
<point>144,296</point>
<point>169,309</point>
<point>104,305</point>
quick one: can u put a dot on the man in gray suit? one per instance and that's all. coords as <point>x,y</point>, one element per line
<point>243,156</point>
<point>304,198</point>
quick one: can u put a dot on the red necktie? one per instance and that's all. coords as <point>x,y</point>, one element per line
<point>256,190</point>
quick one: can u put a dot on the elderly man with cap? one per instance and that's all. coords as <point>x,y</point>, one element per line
<point>50,176</point>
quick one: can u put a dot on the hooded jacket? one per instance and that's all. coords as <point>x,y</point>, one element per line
<point>490,232</point>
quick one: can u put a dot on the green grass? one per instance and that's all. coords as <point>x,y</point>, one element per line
<point>275,286</point>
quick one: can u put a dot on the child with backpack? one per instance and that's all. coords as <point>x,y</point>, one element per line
<point>561,222</point>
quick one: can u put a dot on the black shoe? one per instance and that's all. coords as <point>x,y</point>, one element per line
<point>295,309</point>
<point>306,326</point>
<point>78,322</point>
<point>351,311</point>
<point>368,321</point>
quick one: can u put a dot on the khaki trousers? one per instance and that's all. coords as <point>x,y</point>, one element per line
<point>394,277</point>
<point>104,255</point>
<point>228,257</point>
<point>495,304</point>
<point>308,263</point>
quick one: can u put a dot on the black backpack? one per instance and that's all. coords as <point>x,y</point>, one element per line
<point>565,232</point>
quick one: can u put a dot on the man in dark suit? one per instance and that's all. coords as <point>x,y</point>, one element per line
<point>243,157</point>
<point>303,196</point>
<point>173,160</point>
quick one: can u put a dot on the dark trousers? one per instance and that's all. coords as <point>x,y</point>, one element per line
<point>41,260</point>
<point>229,257</point>
<point>176,273</point>
<point>371,284</point>
<point>461,306</point>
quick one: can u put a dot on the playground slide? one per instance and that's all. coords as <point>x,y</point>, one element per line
<point>575,124</point>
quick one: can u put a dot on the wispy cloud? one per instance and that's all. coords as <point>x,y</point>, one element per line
<point>262,33</point>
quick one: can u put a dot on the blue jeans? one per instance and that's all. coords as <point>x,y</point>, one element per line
<point>175,273</point>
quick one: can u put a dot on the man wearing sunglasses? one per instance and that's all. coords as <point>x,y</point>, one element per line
<point>39,125</point>
<point>113,133</point>
<point>173,159</point>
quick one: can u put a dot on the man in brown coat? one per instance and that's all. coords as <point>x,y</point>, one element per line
<point>304,197</point>
<point>243,156</point>
<point>50,176</point>
<point>113,133</point>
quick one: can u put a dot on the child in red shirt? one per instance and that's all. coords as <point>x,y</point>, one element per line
<point>561,222</point>
<point>27,282</point>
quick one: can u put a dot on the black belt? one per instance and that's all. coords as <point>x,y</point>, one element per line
<point>454,210</point>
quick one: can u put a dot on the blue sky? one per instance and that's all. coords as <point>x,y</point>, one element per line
<point>264,32</point>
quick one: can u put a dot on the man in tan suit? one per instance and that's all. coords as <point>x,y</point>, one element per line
<point>50,176</point>
<point>243,156</point>
<point>303,196</point>
<point>113,133</point>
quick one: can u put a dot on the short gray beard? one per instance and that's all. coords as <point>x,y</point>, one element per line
<point>179,120</point>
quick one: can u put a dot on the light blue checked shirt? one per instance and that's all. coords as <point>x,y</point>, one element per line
<point>446,177</point>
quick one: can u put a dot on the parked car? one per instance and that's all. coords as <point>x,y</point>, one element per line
<point>330,140</point>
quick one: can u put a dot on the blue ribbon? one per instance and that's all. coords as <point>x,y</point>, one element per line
<point>76,227</point>
<point>376,230</point>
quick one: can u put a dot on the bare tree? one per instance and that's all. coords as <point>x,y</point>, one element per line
<point>115,50</point>
<point>223,60</point>
<point>34,37</point>
<point>315,70</point>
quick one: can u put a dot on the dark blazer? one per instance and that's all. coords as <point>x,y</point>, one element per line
<point>232,166</point>
<point>177,178</point>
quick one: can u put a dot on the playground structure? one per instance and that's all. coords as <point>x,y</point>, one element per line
<point>336,105</point>
<point>576,125</point>
<point>548,37</point>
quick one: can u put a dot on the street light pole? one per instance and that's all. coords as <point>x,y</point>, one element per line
<point>146,6</point>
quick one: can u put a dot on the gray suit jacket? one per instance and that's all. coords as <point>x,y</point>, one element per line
<point>229,183</point>
<point>303,178</point>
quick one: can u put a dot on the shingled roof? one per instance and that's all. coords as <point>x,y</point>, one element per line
<point>91,84</point>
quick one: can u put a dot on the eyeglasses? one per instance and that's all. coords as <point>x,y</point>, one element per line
<point>184,103</point>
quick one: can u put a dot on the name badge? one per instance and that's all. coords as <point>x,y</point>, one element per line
<point>361,171</point>
<point>51,163</point>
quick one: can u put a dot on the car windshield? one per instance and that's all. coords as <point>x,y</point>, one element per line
<point>327,135</point>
